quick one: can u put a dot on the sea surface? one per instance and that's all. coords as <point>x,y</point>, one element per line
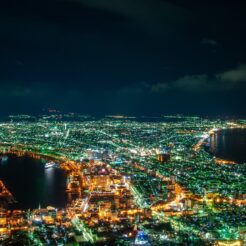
<point>229,144</point>
<point>31,184</point>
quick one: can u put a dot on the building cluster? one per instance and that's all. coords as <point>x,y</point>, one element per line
<point>130,181</point>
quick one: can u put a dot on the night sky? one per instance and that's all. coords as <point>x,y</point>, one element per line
<point>135,57</point>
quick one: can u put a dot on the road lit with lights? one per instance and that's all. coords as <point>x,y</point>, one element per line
<point>129,181</point>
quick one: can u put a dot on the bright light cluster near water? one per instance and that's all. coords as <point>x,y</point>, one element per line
<point>133,181</point>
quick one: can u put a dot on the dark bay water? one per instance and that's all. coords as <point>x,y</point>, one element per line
<point>31,184</point>
<point>229,144</point>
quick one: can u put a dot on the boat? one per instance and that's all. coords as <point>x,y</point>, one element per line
<point>49,165</point>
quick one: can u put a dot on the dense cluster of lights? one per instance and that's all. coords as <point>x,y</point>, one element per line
<point>133,181</point>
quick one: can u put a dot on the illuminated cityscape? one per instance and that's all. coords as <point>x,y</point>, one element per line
<point>129,181</point>
<point>122,123</point>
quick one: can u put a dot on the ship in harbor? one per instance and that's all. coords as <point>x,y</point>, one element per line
<point>50,165</point>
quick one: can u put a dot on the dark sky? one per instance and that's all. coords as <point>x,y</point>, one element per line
<point>143,57</point>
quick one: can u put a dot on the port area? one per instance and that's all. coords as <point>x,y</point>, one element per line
<point>124,200</point>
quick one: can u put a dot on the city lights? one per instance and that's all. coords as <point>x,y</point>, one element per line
<point>127,180</point>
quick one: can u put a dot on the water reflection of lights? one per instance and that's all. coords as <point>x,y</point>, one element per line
<point>49,174</point>
<point>213,141</point>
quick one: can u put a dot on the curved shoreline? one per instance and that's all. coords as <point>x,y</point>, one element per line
<point>202,141</point>
<point>64,164</point>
